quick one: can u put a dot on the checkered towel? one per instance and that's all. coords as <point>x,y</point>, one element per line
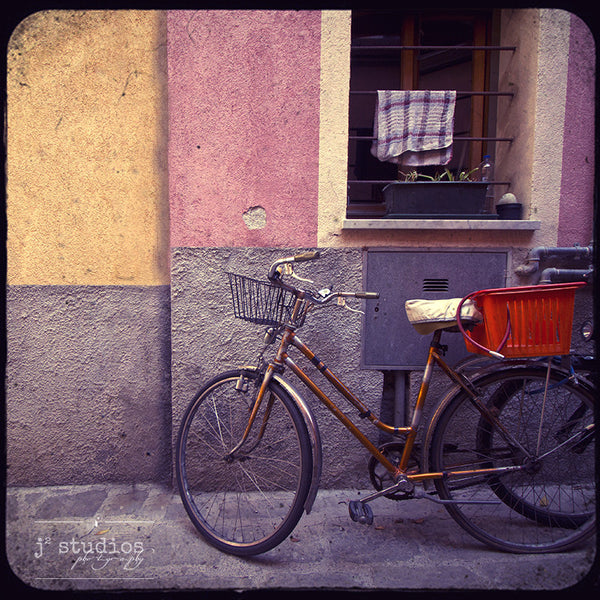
<point>414,128</point>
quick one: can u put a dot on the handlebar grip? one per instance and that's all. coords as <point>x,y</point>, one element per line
<point>368,295</point>
<point>306,256</point>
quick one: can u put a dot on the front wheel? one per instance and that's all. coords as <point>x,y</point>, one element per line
<point>249,502</point>
<point>544,499</point>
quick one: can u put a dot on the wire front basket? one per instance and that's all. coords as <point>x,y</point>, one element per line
<point>259,301</point>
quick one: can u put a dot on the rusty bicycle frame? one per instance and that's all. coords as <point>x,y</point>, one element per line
<point>400,472</point>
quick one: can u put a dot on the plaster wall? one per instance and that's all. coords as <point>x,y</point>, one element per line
<point>516,115</point>
<point>577,182</point>
<point>333,129</point>
<point>244,127</point>
<point>88,316</point>
<point>552,77</point>
<point>86,141</point>
<point>87,384</point>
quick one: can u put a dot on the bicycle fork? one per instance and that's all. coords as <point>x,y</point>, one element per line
<point>241,385</point>
<point>275,366</point>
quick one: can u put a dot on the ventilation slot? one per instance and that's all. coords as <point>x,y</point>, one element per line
<point>435,285</point>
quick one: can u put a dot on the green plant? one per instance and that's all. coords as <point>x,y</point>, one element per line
<point>446,174</point>
<point>410,176</point>
<point>466,175</point>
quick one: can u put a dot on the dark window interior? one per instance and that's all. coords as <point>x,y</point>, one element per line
<point>418,50</point>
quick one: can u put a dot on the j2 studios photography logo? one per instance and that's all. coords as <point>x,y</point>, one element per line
<point>101,550</point>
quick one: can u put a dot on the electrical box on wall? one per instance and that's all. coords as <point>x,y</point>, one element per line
<point>389,342</point>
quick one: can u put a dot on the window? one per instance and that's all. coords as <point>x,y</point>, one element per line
<point>420,50</point>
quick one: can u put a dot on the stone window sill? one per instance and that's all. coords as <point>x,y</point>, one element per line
<point>440,224</point>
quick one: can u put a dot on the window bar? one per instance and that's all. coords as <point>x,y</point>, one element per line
<point>383,181</point>
<point>458,93</point>
<point>456,138</point>
<point>485,48</point>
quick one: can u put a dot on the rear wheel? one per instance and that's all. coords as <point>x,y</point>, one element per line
<point>548,503</point>
<point>247,503</point>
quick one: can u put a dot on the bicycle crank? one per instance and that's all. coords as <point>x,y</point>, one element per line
<point>361,512</point>
<point>382,480</point>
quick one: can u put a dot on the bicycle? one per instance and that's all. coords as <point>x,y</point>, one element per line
<point>509,451</point>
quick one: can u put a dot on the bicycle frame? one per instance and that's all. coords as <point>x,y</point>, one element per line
<point>283,360</point>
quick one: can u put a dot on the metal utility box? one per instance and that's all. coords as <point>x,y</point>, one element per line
<point>389,341</point>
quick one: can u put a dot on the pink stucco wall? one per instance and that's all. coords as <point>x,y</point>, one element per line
<point>243,127</point>
<point>577,185</point>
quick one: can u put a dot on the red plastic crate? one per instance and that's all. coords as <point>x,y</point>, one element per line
<point>535,320</point>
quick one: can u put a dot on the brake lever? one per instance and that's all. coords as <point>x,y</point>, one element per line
<point>342,302</point>
<point>300,278</point>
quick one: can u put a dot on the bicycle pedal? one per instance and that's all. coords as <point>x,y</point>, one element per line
<point>361,513</point>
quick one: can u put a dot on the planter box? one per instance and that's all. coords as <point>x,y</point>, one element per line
<point>436,199</point>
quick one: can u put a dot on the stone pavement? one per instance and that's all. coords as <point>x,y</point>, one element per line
<point>138,537</point>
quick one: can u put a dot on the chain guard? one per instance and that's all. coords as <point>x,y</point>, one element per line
<point>381,478</point>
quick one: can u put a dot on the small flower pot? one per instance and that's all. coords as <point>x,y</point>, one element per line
<point>509,212</point>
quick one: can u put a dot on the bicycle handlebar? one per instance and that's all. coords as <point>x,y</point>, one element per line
<point>275,275</point>
<point>306,256</point>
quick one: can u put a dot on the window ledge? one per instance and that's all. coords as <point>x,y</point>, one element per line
<point>450,224</point>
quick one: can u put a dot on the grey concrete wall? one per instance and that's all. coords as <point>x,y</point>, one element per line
<point>88,384</point>
<point>88,375</point>
<point>207,339</point>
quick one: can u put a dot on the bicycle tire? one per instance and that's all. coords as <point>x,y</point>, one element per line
<point>248,505</point>
<point>549,505</point>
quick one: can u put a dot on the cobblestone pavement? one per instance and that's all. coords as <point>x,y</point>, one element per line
<point>108,537</point>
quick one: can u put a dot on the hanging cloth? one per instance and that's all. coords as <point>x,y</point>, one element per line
<point>414,127</point>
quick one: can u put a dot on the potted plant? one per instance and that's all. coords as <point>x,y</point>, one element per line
<point>508,207</point>
<point>435,196</point>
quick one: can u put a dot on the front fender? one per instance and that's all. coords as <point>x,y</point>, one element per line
<point>315,440</point>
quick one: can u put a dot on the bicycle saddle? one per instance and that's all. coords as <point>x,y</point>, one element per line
<point>427,316</point>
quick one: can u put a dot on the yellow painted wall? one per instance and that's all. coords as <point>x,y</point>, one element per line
<point>537,74</point>
<point>87,143</point>
<point>550,106</point>
<point>516,114</point>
